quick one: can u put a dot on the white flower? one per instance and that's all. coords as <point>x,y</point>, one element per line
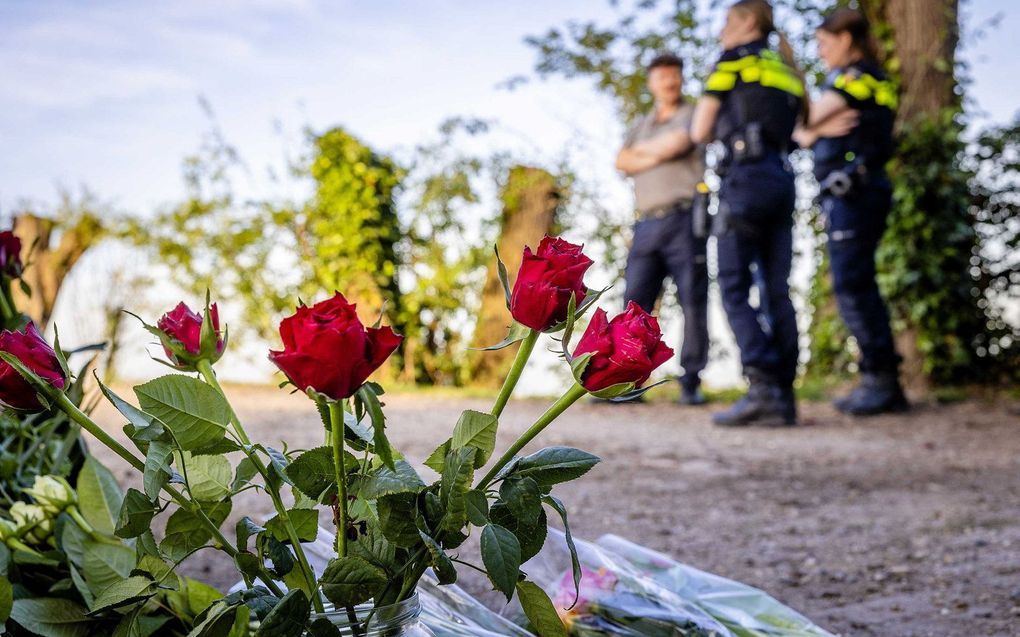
<point>32,522</point>
<point>52,493</point>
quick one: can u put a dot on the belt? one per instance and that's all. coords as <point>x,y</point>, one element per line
<point>661,212</point>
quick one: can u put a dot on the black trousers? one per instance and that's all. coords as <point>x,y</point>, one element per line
<point>756,250</point>
<point>666,247</point>
<point>854,225</point>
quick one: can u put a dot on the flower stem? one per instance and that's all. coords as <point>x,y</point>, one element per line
<point>7,312</point>
<point>520,360</point>
<point>205,369</point>
<point>566,400</point>
<point>336,421</point>
<point>93,428</point>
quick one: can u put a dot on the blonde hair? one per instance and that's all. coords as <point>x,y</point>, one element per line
<point>761,11</point>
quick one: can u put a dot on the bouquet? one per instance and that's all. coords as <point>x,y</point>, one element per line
<point>391,526</point>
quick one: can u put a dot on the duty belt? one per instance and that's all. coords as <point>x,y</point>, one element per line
<point>661,212</point>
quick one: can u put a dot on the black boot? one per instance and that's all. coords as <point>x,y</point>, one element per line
<point>690,392</point>
<point>788,404</point>
<point>760,406</point>
<point>877,393</point>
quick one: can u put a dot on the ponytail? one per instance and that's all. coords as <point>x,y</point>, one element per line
<point>786,52</point>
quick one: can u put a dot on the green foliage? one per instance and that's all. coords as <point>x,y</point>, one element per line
<point>940,275</point>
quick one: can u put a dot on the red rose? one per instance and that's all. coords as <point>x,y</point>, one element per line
<point>625,350</point>
<point>545,282</point>
<point>326,348</point>
<point>10,255</point>
<point>180,331</point>
<point>34,353</point>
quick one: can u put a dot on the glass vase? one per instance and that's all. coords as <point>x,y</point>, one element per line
<point>397,620</point>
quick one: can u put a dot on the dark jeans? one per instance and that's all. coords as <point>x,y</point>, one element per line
<point>855,225</point>
<point>667,247</point>
<point>756,249</point>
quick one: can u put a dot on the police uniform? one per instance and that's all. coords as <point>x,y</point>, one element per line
<point>761,98</point>
<point>665,244</point>
<point>855,199</point>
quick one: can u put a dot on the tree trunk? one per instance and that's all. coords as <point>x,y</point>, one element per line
<point>47,266</point>
<point>530,198</point>
<point>924,35</point>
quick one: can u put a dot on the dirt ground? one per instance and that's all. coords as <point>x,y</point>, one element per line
<point>902,526</point>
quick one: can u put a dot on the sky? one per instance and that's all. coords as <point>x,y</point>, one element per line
<point>105,94</point>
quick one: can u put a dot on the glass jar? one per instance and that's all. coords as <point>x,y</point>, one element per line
<point>397,620</point>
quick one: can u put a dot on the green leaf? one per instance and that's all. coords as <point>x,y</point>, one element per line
<point>397,515</point>
<point>539,610</point>
<point>305,521</point>
<point>349,581</point>
<point>455,482</point>
<point>157,469</point>
<point>476,429</point>
<point>374,548</point>
<point>288,618</point>
<point>477,504</point>
<point>127,591</point>
<point>144,427</point>
<point>280,554</point>
<point>51,617</point>
<point>158,570</point>
<point>437,460</point>
<point>554,465</point>
<point>278,464</point>
<point>246,470</point>
<point>135,515</point>
<point>386,481</point>
<point>219,620</point>
<point>186,532</point>
<point>104,564</point>
<point>440,561</point>
<point>195,412</point>
<point>531,536</point>
<point>322,627</point>
<point>6,599</point>
<point>99,496</point>
<point>192,598</point>
<point>517,333</point>
<point>313,472</point>
<point>380,444</point>
<point>523,497</point>
<point>501,554</point>
<point>246,527</point>
<point>575,564</point>
<point>137,625</point>
<point>504,277</point>
<point>209,477</point>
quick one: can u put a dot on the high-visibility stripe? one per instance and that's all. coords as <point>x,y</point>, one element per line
<point>866,87</point>
<point>766,69</point>
<point>720,81</point>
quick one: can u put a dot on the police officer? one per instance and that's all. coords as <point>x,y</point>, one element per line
<point>850,130</point>
<point>666,168</point>
<point>751,103</point>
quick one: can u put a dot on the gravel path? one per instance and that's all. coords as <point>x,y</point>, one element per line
<point>894,526</point>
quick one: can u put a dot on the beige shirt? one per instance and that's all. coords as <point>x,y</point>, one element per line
<point>672,180</point>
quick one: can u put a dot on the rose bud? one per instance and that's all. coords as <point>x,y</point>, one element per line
<point>10,255</point>
<point>32,522</point>
<point>625,351</point>
<point>52,493</point>
<point>180,332</point>
<point>326,348</point>
<point>545,282</point>
<point>34,353</point>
